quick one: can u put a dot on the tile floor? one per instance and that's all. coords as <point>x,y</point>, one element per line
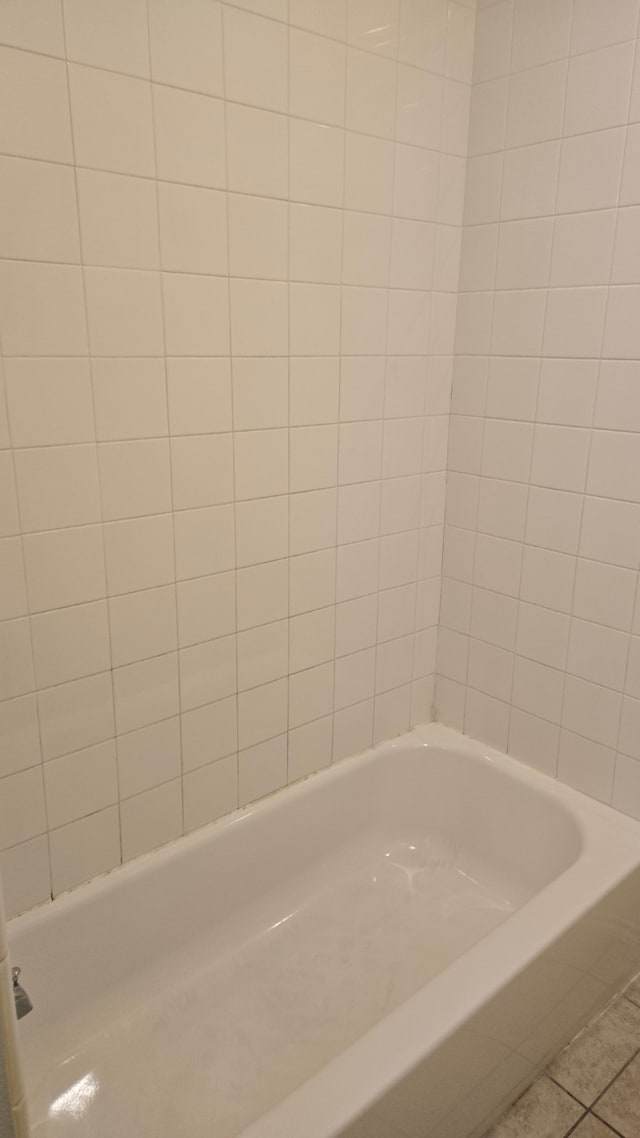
<point>592,1089</point>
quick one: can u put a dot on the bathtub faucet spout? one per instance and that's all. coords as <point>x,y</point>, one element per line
<point>23,1003</point>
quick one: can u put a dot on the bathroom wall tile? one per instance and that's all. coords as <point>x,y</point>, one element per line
<point>70,643</point>
<point>112,121</point>
<point>135,478</point>
<point>315,243</point>
<point>255,60</point>
<point>209,732</point>
<point>312,520</point>
<point>189,302</point>
<point>262,769</point>
<point>257,151</point>
<point>57,487</point>
<point>207,672</point>
<point>181,120</point>
<point>151,819</point>
<point>129,398</point>
<point>317,69</point>
<point>41,310</point>
<point>257,237</point>
<point>262,714</point>
<point>310,748</point>
<point>142,625</point>
<point>259,319</point>
<point>262,594</point>
<point>124,312</point>
<point>314,319</point>
<point>145,692</point>
<point>80,784</point>
<point>210,792</point>
<point>317,163</point>
<point>22,813</point>
<point>49,401</point>
<point>148,757</point>
<point>598,89</point>
<point>193,229</point>
<point>117,39</point>
<point>36,26</point>
<point>25,876</point>
<point>76,715</point>
<point>186,45</point>
<point>262,530</point>
<point>40,222</point>
<point>206,608</point>
<point>139,554</point>
<point>263,655</point>
<point>596,25</point>
<point>205,541</point>
<point>312,581</point>
<point>19,734</point>
<point>202,470</point>
<point>84,849</point>
<point>35,87</point>
<point>199,395</point>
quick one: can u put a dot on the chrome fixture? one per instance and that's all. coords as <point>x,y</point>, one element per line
<point>23,1003</point>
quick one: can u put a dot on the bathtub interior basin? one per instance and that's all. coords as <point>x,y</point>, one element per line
<point>198,989</point>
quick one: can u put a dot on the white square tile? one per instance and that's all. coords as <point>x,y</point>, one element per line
<point>352,729</point>
<point>371,89</point>
<point>354,678</point>
<point>364,321</point>
<point>84,849</point>
<point>138,554</point>
<point>374,26</point>
<point>202,470</point>
<point>20,735</point>
<point>317,156</point>
<point>560,457</point>
<point>260,393</point>
<point>621,336</point>
<point>356,625</point>
<point>369,183</point>
<point>80,784</point>
<point>362,383</point>
<point>40,221</point>
<point>590,171</point>
<point>76,715</point>
<point>186,44</point>
<point>536,104</point>
<point>311,639</point>
<point>542,635</point>
<point>310,748</point>
<point>313,390</point>
<point>36,89</point>
<point>547,578</point>
<point>129,398</point>
<point>209,733</point>
<point>206,608</point>
<point>16,676</point>
<point>196,315</point>
<point>210,792</point>
<point>312,521</point>
<point>142,625</point>
<point>259,318</point>
<point>151,819</point>
<point>312,581</point>
<point>261,463</point>
<point>314,319</point>
<point>262,769</point>
<point>610,531</point>
<point>316,78</point>
<point>193,229</point>
<point>604,593</point>
<point>412,255</point>
<point>199,392</point>
<point>255,60</point>
<point>36,26</point>
<point>360,453</point>
<point>598,88</point>
<point>313,458</point>
<point>57,487</point>
<point>116,38</point>
<point>258,241</point>
<point>124,312</point>
<point>42,310</point>
<point>358,512</point>
<point>182,120</point>
<point>591,711</point>
<point>366,249</point>
<point>614,467</point>
<point>257,151</point>
<point>262,530</point>
<point>567,392</point>
<point>148,757</point>
<point>315,243</point>
<point>262,594</point>
<point>118,220</point>
<point>596,23</point>
<point>328,17</point>
<point>263,654</point>
<point>262,714</point>
<point>49,401</point>
<point>70,643</point>
<point>135,478</point>
<point>357,569</point>
<point>112,121</point>
<point>582,248</point>
<point>540,34</point>
<point>25,876</point>
<point>207,672</point>
<point>554,519</point>
<point>205,541</point>
<point>419,108</point>
<point>415,186</point>
<point>310,694</point>
<point>530,179</point>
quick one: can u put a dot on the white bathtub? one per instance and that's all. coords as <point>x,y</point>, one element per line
<point>392,948</point>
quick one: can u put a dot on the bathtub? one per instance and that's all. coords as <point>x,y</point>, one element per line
<point>392,948</point>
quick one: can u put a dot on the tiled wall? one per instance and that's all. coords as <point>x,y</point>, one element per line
<point>539,650</point>
<point>230,240</point>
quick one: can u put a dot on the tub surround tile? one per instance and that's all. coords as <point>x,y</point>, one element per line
<point>595,1057</point>
<point>544,1111</point>
<point>592,1127</point>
